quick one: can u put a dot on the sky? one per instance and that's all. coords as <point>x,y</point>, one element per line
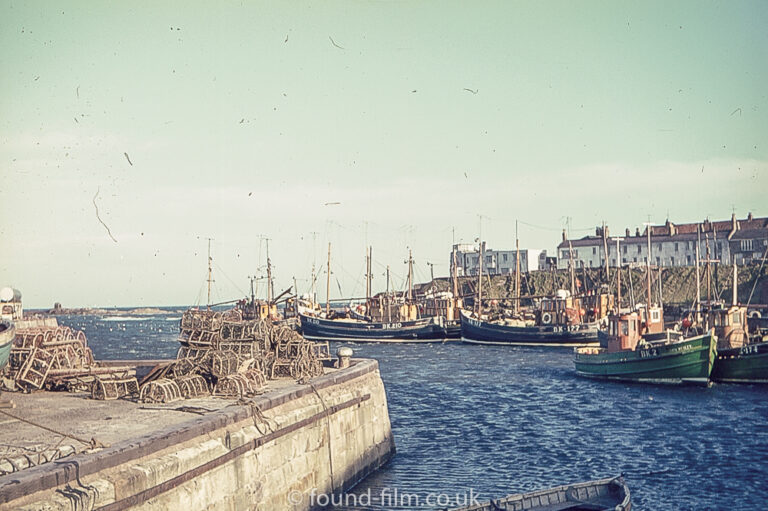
<point>132,132</point>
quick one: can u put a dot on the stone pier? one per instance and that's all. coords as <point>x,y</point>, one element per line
<point>271,453</point>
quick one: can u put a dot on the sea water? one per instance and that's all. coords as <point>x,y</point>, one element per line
<point>486,421</point>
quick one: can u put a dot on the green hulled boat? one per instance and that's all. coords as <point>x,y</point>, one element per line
<point>626,356</point>
<point>747,364</point>
<point>742,357</point>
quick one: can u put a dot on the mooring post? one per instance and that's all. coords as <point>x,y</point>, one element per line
<point>345,354</point>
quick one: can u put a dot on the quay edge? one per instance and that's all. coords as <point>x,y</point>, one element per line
<point>322,437</point>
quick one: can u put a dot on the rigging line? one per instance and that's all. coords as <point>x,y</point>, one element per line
<point>230,280</point>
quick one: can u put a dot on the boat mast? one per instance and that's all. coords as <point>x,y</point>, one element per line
<point>454,276</point>
<point>735,299</point>
<point>709,271</point>
<point>368,275</point>
<point>270,289</point>
<point>698,275</point>
<point>618,275</point>
<point>648,273</point>
<point>479,305</point>
<point>517,270</point>
<point>389,299</point>
<point>210,273</point>
<point>605,251</point>
<point>328,284</point>
<point>410,276</point>
<point>573,270</point>
<point>314,291</point>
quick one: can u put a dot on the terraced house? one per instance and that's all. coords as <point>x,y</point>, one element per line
<point>727,241</point>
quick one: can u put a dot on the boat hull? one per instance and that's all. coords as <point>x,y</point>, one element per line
<point>474,331</point>
<point>601,495</point>
<point>7,334</point>
<point>420,330</point>
<point>747,364</point>
<point>688,361</point>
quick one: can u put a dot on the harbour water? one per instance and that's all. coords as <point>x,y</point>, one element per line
<point>487,421</point>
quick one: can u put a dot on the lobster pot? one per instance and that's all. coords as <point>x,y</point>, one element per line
<point>243,349</point>
<point>191,353</point>
<point>237,331</point>
<point>201,339</point>
<point>223,363</point>
<point>192,386</point>
<point>161,390</point>
<point>184,366</point>
<point>106,389</point>
<point>257,378</point>
<point>234,385</point>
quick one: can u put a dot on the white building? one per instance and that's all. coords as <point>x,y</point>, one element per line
<point>741,241</point>
<point>496,262</point>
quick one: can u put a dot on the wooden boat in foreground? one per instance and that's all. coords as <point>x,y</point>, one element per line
<point>604,494</point>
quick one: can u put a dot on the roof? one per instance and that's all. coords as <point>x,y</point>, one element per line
<point>748,228</point>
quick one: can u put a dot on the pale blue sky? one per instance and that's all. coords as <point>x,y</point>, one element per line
<point>246,119</point>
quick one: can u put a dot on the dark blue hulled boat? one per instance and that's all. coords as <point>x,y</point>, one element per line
<point>429,329</point>
<point>475,331</point>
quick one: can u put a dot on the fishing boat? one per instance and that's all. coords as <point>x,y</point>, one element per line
<point>627,356</point>
<point>557,322</point>
<point>742,356</point>
<point>382,318</point>
<point>560,320</point>
<point>600,495</point>
<point>419,330</point>
<point>636,347</point>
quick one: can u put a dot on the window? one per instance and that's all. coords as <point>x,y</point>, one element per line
<point>676,247</point>
<point>594,250</point>
<point>590,263</point>
<point>660,248</point>
<point>655,316</point>
<point>624,328</point>
<point>625,249</point>
<point>639,248</point>
<point>658,261</point>
<point>689,260</point>
<point>613,262</point>
<point>488,259</point>
<point>635,259</point>
<point>504,256</point>
<point>746,245</point>
<point>671,261</point>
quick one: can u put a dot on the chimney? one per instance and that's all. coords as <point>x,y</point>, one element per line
<point>672,229</point>
<point>565,236</point>
<point>626,233</point>
<point>637,232</point>
<point>749,216</point>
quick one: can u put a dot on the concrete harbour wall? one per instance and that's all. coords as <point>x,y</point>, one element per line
<point>270,454</point>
